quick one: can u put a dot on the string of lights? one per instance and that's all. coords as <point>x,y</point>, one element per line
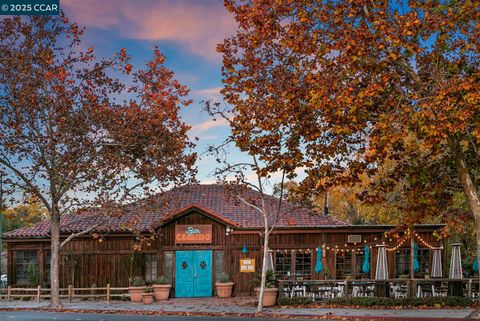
<point>342,247</point>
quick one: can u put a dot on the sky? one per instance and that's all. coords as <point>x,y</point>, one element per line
<point>186,32</point>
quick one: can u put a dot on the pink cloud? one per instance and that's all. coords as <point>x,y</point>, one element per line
<point>209,124</point>
<point>197,25</point>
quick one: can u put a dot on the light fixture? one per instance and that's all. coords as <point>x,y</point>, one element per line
<point>228,230</point>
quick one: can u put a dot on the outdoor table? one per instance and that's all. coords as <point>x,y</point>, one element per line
<point>425,289</point>
<point>363,288</point>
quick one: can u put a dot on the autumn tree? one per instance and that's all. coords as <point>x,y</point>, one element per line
<point>243,177</point>
<point>29,212</point>
<point>66,137</point>
<point>338,87</point>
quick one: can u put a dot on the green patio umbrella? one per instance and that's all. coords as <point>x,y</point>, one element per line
<point>366,259</point>
<point>416,265</point>
<point>318,263</point>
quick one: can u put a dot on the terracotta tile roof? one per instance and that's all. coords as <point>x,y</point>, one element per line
<point>219,201</point>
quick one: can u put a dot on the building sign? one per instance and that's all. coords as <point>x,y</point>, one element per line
<point>193,234</point>
<point>247,265</point>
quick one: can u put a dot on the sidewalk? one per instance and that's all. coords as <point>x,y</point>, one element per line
<point>243,307</point>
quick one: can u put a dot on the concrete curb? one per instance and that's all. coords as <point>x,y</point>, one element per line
<point>267,315</point>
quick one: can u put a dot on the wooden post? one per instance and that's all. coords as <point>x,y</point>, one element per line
<point>347,290</point>
<point>412,272</point>
<point>9,293</point>
<point>38,293</point>
<point>70,292</point>
<point>409,289</point>
<point>108,292</point>
<point>469,288</point>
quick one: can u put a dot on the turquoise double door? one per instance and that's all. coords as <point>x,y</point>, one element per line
<point>193,274</point>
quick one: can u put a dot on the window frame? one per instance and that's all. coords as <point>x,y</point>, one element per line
<point>23,265</point>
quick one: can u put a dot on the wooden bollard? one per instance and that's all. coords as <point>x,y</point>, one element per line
<point>38,293</point>
<point>108,292</point>
<point>9,293</point>
<point>70,292</point>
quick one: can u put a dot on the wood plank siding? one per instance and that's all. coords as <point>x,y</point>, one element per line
<point>106,260</point>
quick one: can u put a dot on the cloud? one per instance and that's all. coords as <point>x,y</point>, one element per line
<point>209,93</point>
<point>197,25</point>
<point>209,124</point>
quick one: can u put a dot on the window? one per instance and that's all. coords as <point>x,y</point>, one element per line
<point>424,261</point>
<point>343,264</point>
<point>359,259</point>
<point>283,263</point>
<point>27,266</point>
<point>168,265</point>
<point>303,264</point>
<point>402,263</point>
<point>150,267</point>
<point>218,263</point>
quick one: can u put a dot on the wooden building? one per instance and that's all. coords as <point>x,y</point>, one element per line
<point>193,233</point>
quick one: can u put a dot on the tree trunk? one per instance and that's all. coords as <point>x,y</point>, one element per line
<point>264,269</point>
<point>470,191</point>
<point>54,261</point>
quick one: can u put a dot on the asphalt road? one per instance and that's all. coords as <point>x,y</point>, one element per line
<point>48,316</point>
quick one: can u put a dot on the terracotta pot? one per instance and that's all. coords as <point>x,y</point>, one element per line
<point>136,293</point>
<point>269,296</point>
<point>147,298</point>
<point>161,292</point>
<point>224,290</point>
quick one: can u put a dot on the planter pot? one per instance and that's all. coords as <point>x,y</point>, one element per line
<point>161,292</point>
<point>147,298</point>
<point>269,296</point>
<point>224,290</point>
<point>136,293</point>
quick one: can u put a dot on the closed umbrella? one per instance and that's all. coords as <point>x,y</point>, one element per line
<point>366,259</point>
<point>381,272</point>
<point>455,263</point>
<point>318,263</point>
<point>416,265</point>
<point>437,263</point>
<point>475,265</point>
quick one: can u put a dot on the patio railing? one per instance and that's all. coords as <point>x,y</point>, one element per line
<point>394,288</point>
<point>105,293</point>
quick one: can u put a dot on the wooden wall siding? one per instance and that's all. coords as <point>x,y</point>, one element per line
<point>167,232</point>
<point>242,280</point>
<point>246,239</point>
<point>96,269</point>
<point>102,262</point>
<point>106,245</point>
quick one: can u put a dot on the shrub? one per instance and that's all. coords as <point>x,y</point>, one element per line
<point>270,281</point>
<point>162,280</point>
<point>149,290</point>
<point>405,302</point>
<point>223,278</point>
<point>137,281</point>
<point>294,301</point>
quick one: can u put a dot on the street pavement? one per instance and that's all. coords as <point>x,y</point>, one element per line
<point>230,308</point>
<point>49,316</point>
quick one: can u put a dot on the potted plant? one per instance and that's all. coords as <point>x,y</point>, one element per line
<point>147,296</point>
<point>224,286</point>
<point>136,288</point>
<point>161,288</point>
<point>271,291</point>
